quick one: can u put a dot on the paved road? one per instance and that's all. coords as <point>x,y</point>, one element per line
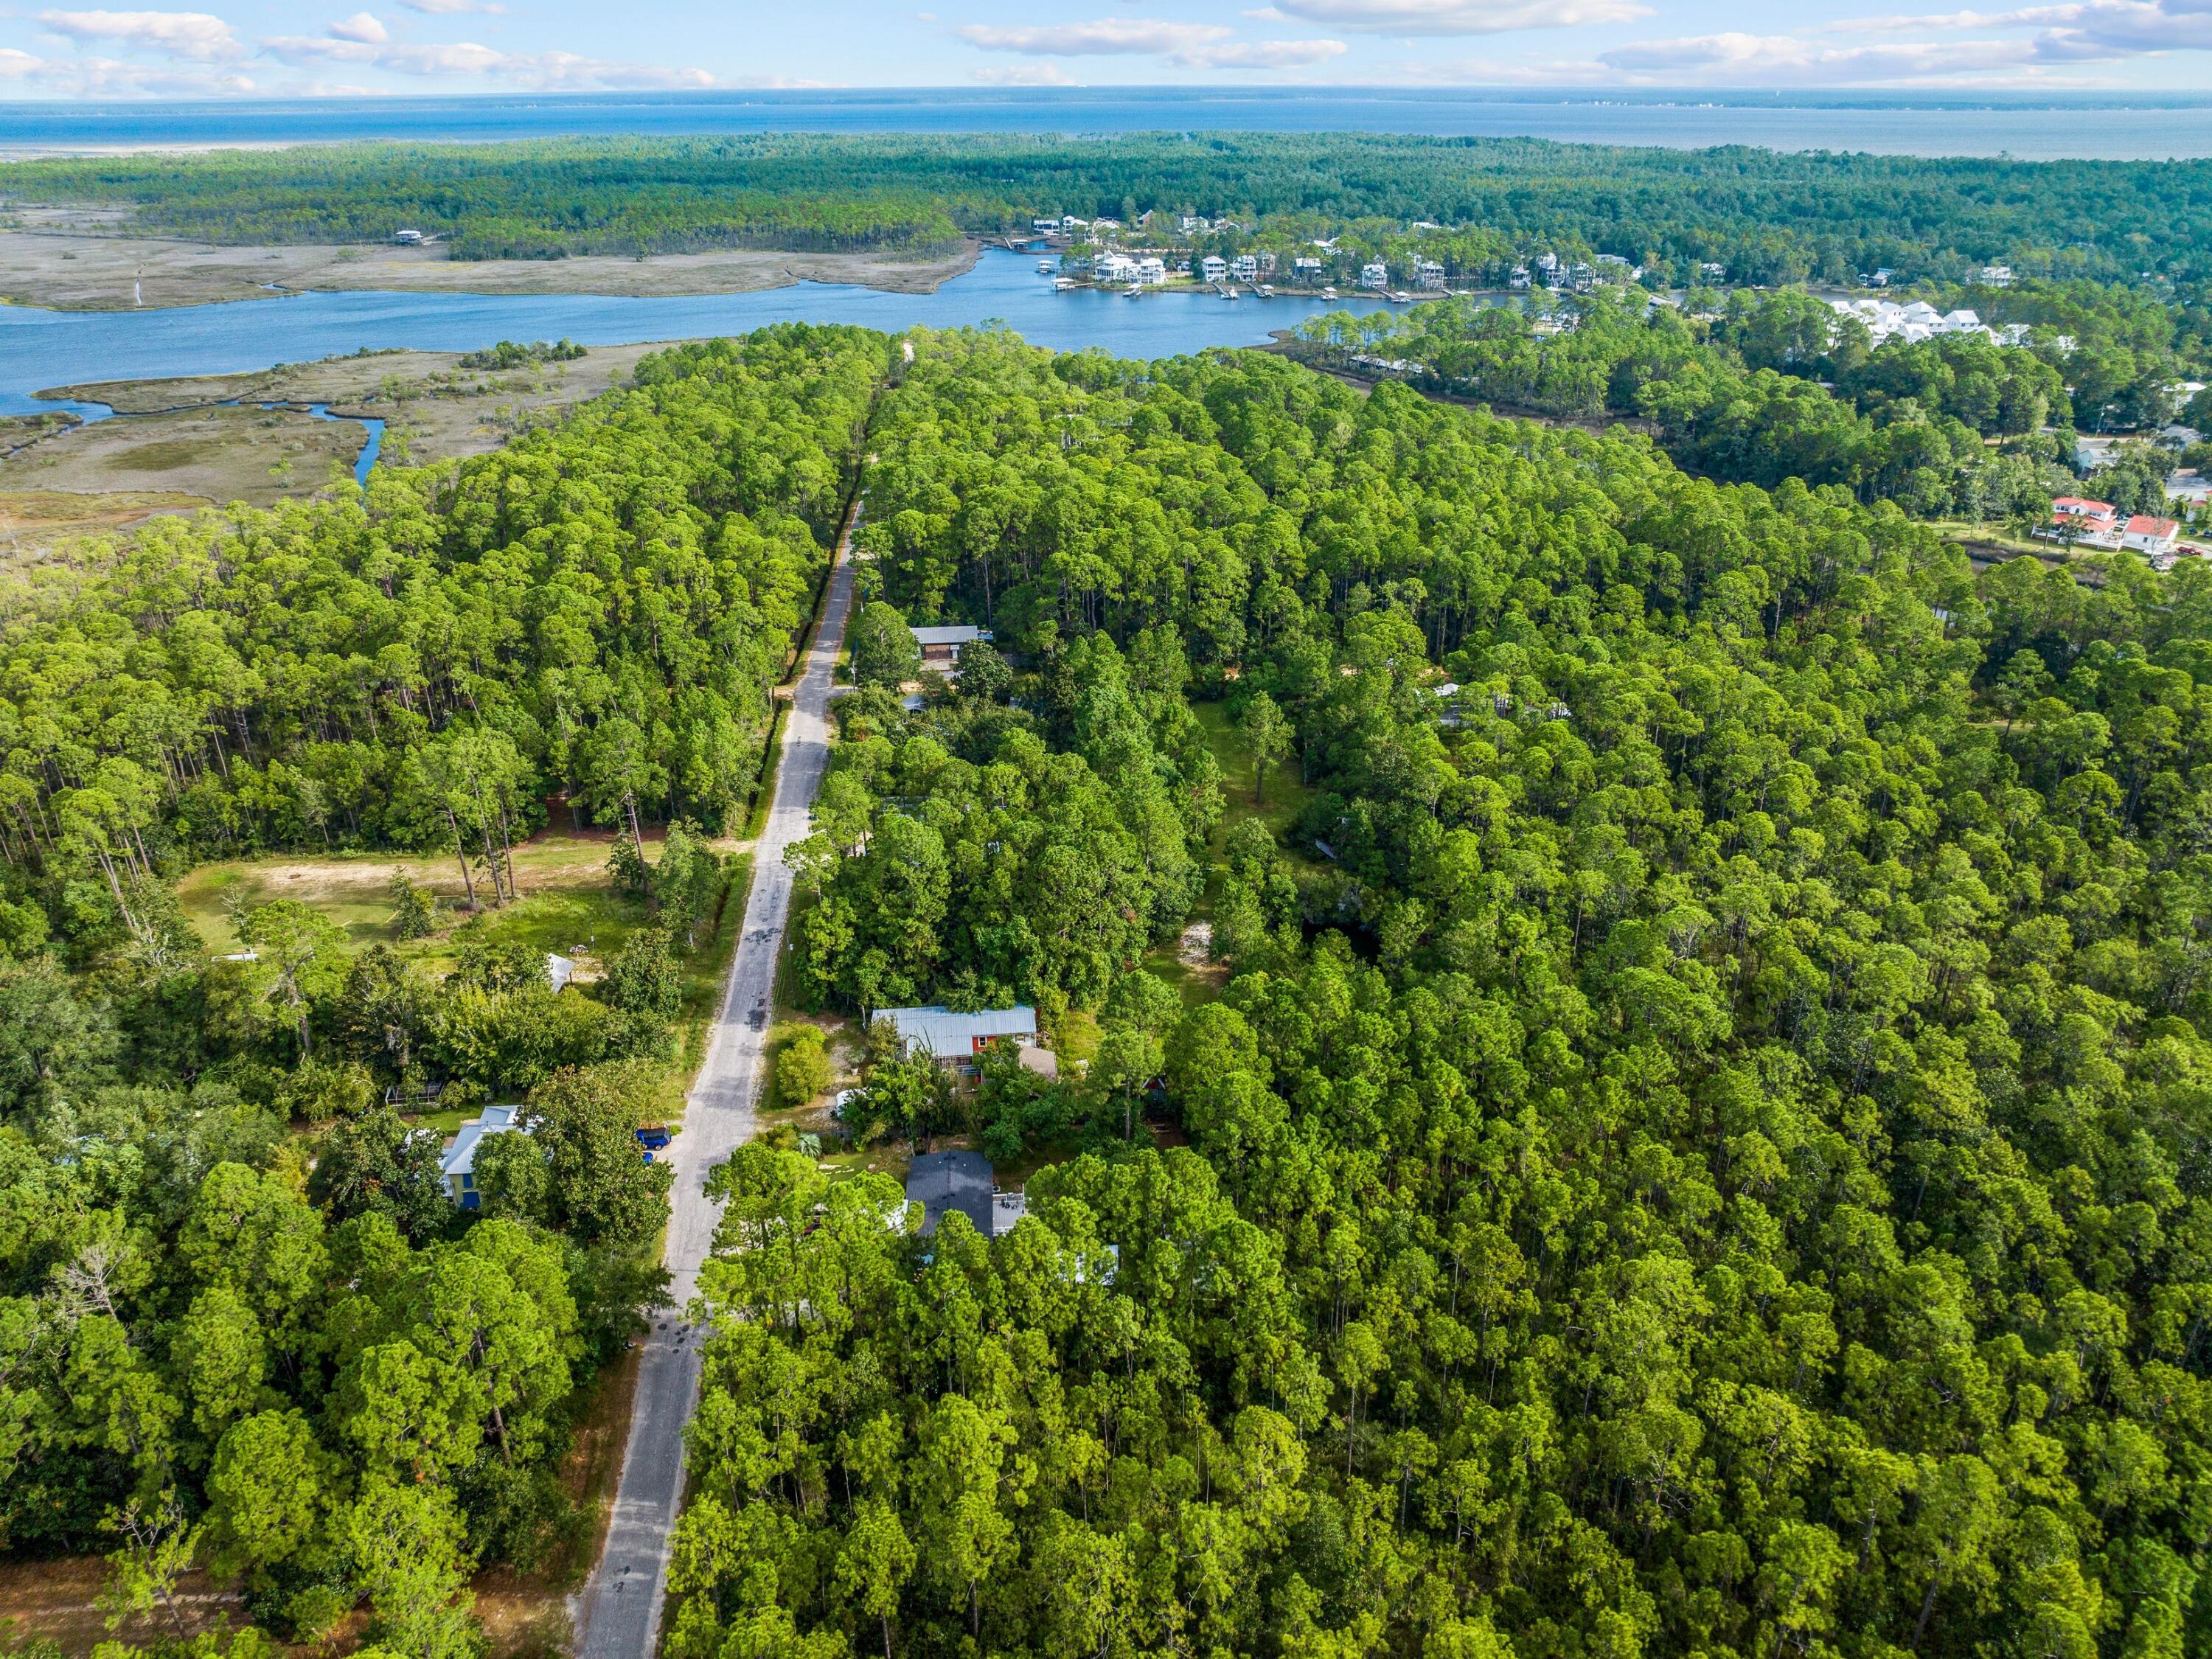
<point>622,1603</point>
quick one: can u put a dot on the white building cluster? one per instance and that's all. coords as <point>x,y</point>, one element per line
<point>1147,271</point>
<point>1887,320</point>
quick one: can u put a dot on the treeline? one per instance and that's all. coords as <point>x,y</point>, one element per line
<point>1764,217</point>
<point>1762,388</point>
<point>538,200</point>
<point>1709,1160</point>
<point>591,617</point>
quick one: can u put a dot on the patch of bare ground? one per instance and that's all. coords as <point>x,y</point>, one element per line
<point>38,525</point>
<point>59,1601</point>
<point>526,1615</point>
<point>1194,951</point>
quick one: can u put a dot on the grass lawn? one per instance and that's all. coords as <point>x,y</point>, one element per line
<point>1195,985</point>
<point>1994,535</point>
<point>1286,796</point>
<point>1076,1041</point>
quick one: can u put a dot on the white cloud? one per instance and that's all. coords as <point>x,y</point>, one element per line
<point>108,77</point>
<point>1266,54</point>
<point>360,26</point>
<point>195,36</point>
<point>455,7</point>
<point>1023,74</point>
<point>1109,35</point>
<point>1734,59</point>
<point>2063,36</point>
<point>1427,17</point>
<point>362,41</point>
<point>1190,45</point>
<point>565,71</point>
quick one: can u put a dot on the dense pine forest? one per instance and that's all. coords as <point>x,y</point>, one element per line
<point>1760,388</point>
<point>1701,1149</point>
<point>1766,217</point>
<point>1688,1132</point>
<point>243,1325</point>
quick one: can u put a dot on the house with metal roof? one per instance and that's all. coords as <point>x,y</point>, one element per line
<point>458,1166</point>
<point>941,647</point>
<point>939,1031</point>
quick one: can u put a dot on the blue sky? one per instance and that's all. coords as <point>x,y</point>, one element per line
<point>262,48</point>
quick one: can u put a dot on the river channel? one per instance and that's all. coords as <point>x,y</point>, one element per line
<point>40,348</point>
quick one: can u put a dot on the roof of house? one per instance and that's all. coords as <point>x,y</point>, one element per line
<point>2081,504</point>
<point>460,1158</point>
<point>2143,524</point>
<point>941,1032</point>
<point>939,1181</point>
<point>960,633</point>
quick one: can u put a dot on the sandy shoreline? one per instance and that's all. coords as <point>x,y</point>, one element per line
<point>61,267</point>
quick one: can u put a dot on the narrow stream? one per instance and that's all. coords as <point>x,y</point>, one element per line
<point>373,428</point>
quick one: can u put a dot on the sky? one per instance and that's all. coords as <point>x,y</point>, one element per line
<point>285,48</point>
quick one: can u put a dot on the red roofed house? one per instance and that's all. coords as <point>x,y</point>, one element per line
<point>2089,524</point>
<point>2148,535</point>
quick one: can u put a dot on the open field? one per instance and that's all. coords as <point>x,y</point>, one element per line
<point>34,522</point>
<point>238,454</point>
<point>61,260</point>
<point>568,905</point>
<point>567,897</point>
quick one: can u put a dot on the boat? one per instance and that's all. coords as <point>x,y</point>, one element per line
<point>1228,293</point>
<point>1265,292</point>
<point>1134,290</point>
<point>1063,284</point>
<point>1399,296</point>
<point>1328,294</point>
<point>1044,267</point>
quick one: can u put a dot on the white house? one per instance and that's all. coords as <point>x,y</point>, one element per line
<point>1376,274</point>
<point>2076,507</point>
<point>1151,270</point>
<point>458,1166</point>
<point>407,238</point>
<point>2083,522</point>
<point>1520,278</point>
<point>1113,268</point>
<point>1886,320</point>
<point>1306,268</point>
<point>1997,276</point>
<point>2144,534</point>
<point>1429,275</point>
<point>1213,268</point>
<point>1245,267</point>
